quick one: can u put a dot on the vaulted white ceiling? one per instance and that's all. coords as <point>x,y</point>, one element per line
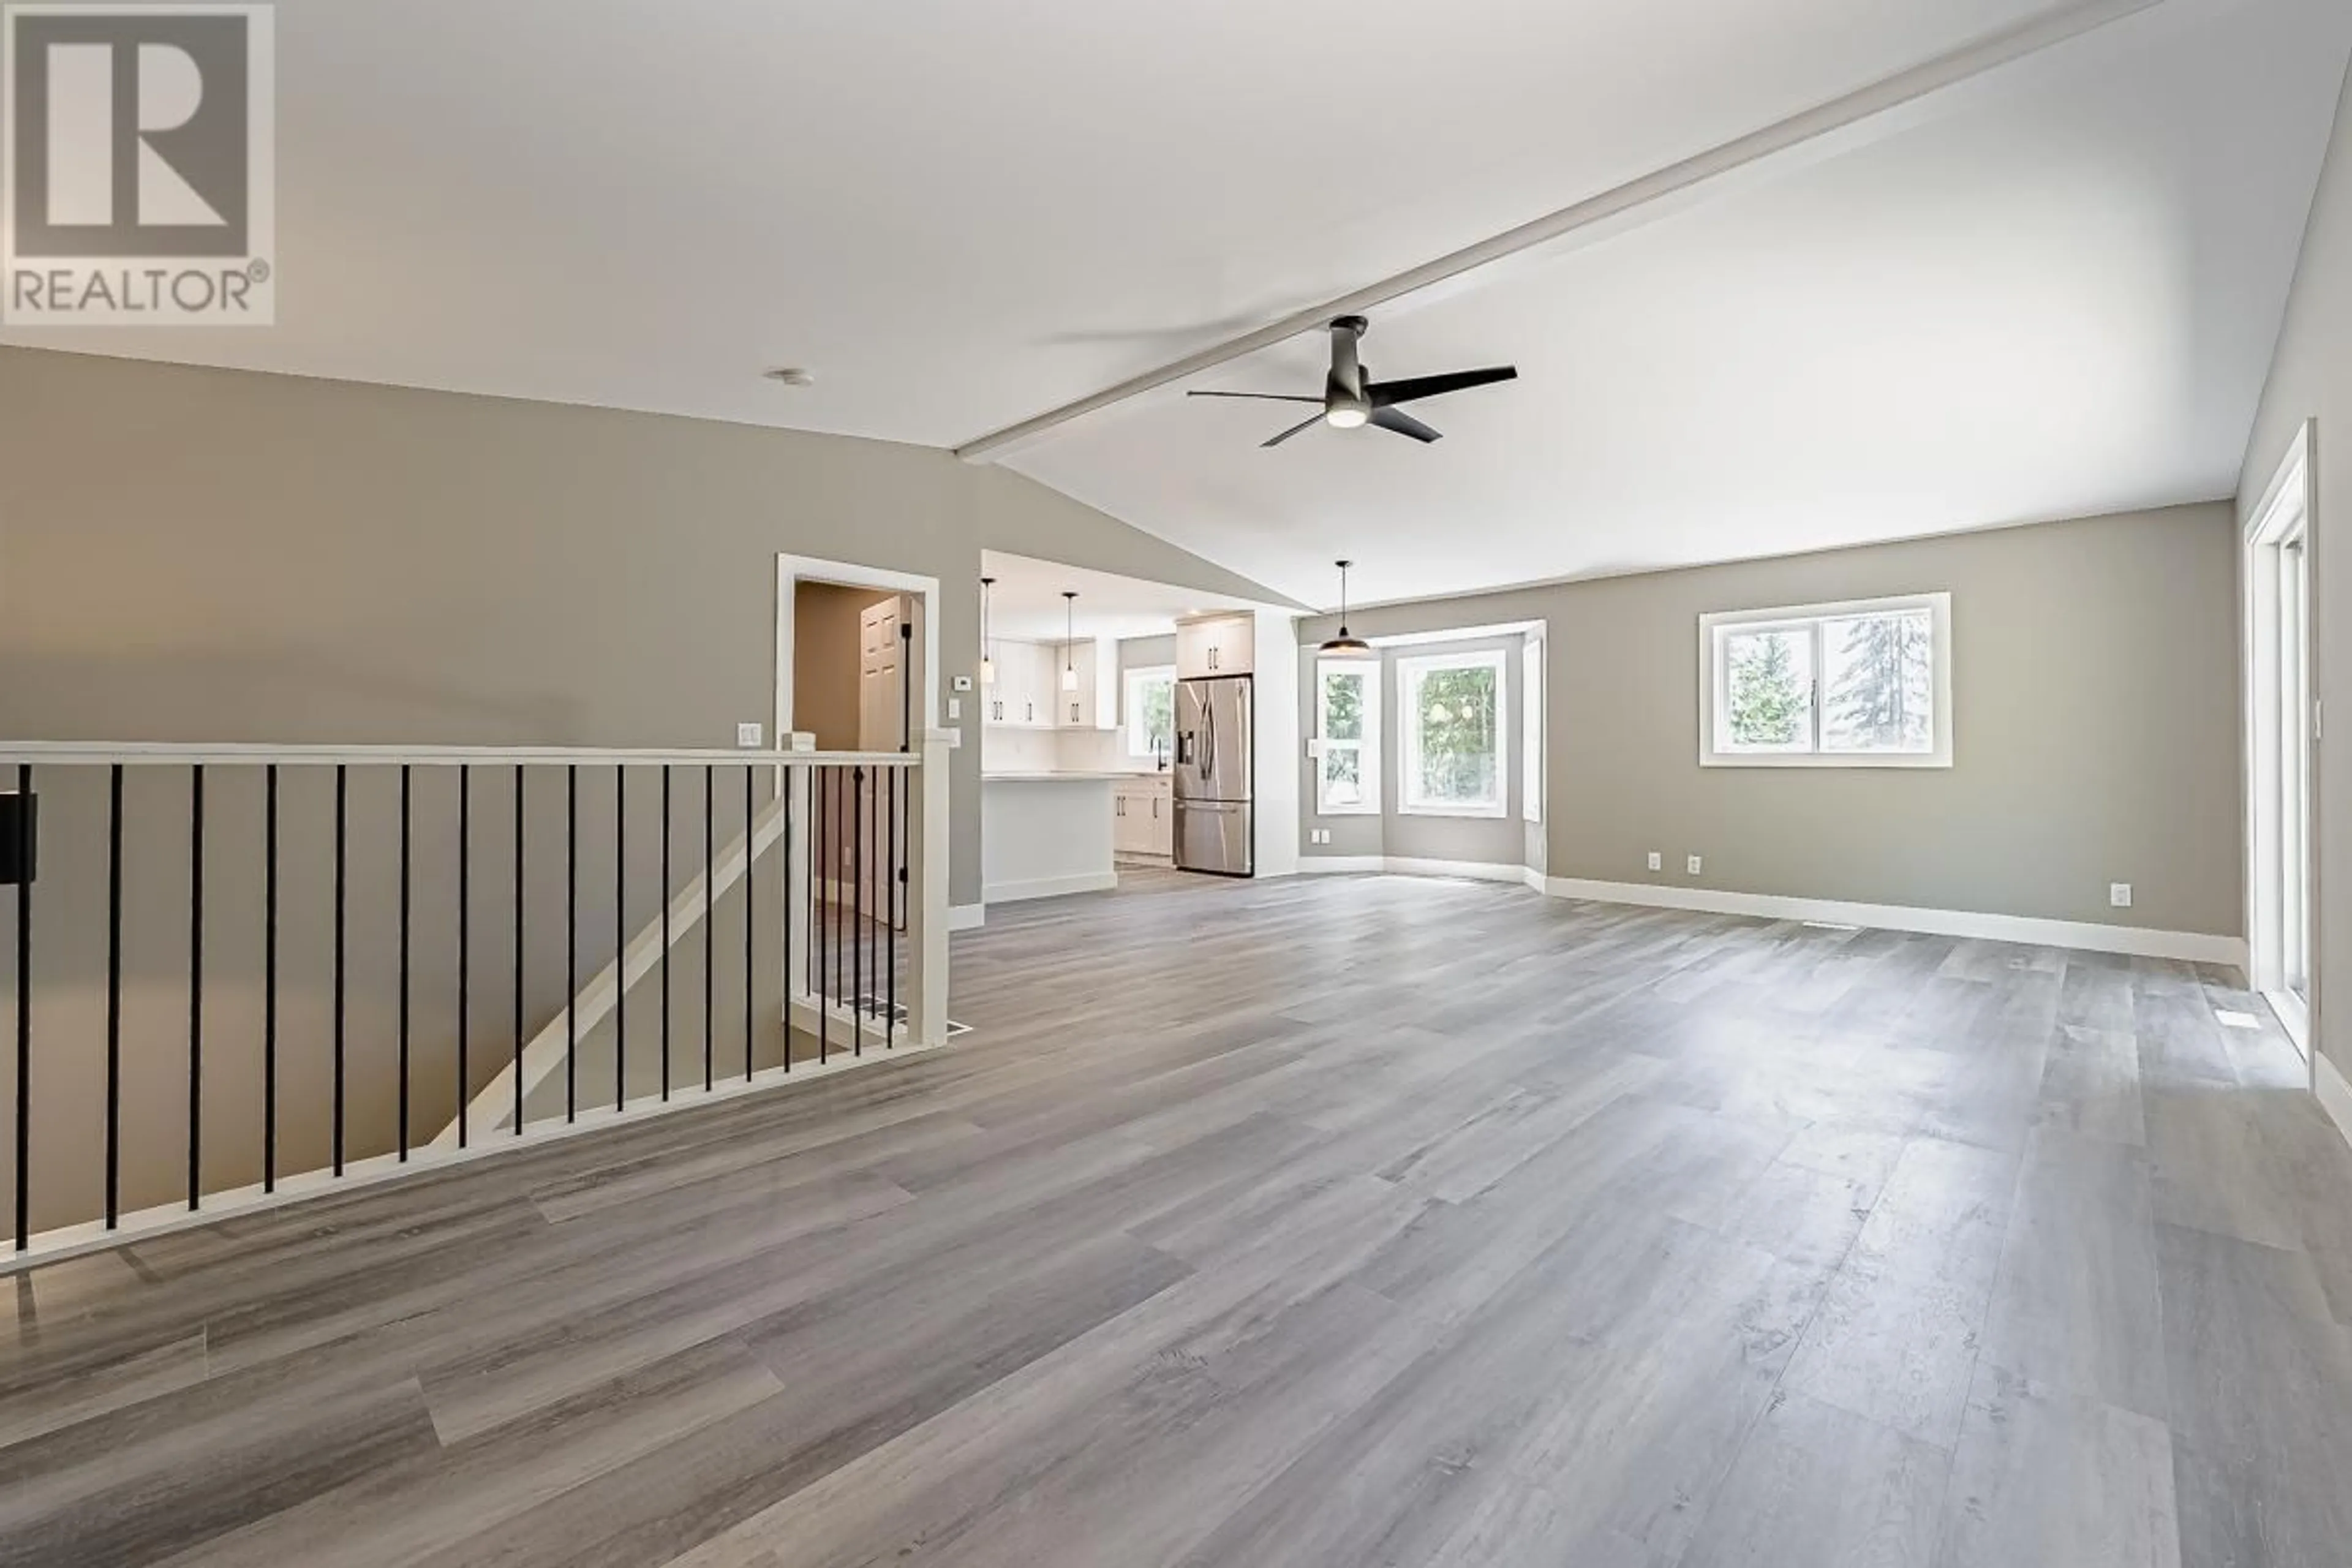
<point>2052,291</point>
<point>2054,295</point>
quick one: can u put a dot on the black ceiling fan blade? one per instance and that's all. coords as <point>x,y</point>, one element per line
<point>1404,424</point>
<point>1387,393</point>
<point>1260,396</point>
<point>1295,430</point>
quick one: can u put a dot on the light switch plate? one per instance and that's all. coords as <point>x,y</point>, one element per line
<point>751,737</point>
<point>1697,864</point>
<point>955,707</point>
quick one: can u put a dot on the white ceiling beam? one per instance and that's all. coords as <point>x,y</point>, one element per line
<point>1979,59</point>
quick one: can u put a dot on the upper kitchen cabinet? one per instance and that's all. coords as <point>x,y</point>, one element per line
<point>1215,645</point>
<point>1028,682</point>
<point>1094,704</point>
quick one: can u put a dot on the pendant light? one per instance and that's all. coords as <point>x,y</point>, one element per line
<point>1345,642</point>
<point>987,648</point>
<point>1070,639</point>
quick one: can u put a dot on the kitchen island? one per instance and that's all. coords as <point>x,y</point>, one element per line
<point>1043,835</point>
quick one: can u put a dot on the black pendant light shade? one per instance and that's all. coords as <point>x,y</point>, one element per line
<point>1345,642</point>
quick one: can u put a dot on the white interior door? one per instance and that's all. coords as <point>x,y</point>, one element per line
<point>886,658</point>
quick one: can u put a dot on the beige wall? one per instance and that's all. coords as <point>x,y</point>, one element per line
<point>204,556</point>
<point>195,554</point>
<point>2096,714</point>
<point>2312,379</point>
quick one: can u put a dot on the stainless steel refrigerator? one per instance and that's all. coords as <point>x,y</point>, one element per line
<point>1215,787</point>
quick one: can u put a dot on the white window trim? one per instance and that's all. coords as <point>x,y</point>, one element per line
<point>1715,678</point>
<point>2288,511</point>
<point>1132,711</point>
<point>1368,749</point>
<point>1408,738</point>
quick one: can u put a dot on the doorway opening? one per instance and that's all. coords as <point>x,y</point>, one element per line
<point>2283,715</point>
<point>856,669</point>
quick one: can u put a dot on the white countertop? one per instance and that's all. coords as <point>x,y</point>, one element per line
<point>1065,777</point>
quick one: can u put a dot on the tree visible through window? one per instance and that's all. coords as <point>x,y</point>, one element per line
<point>1348,718</point>
<point>1151,712</point>
<point>1451,707</point>
<point>1881,683</point>
<point>1840,683</point>
<point>1772,689</point>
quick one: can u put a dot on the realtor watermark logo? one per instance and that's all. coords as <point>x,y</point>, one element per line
<point>137,154</point>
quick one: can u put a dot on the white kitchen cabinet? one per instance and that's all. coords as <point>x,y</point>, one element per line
<point>1220,645</point>
<point>1143,817</point>
<point>1094,704</point>
<point>1027,683</point>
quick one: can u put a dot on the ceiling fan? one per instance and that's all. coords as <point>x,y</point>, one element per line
<point>1350,400</point>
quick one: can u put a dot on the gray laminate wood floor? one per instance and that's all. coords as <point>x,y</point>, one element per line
<point>1346,1222</point>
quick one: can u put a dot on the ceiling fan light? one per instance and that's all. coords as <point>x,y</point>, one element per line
<point>1348,416</point>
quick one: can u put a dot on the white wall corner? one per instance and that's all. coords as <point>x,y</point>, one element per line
<point>2334,1093</point>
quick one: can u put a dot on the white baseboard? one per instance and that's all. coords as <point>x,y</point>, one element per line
<point>967,917</point>
<point>1406,866</point>
<point>2335,1094</point>
<point>1340,864</point>
<point>2193,947</point>
<point>1051,887</point>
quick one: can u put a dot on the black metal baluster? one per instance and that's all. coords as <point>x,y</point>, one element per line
<point>785,903</point>
<point>751,900</point>
<point>858,914</point>
<point>196,986</point>
<point>620,936</point>
<point>821,900</point>
<point>114,1000</point>
<point>521,796</point>
<point>25,1014</point>
<point>342,844</point>
<point>812,858</point>
<point>668,826</point>
<point>464,940</point>
<point>840,947</point>
<point>269,983</point>
<point>710,924</point>
<point>890,925</point>
<point>572,943</point>
<point>407,814</point>
<point>901,801</point>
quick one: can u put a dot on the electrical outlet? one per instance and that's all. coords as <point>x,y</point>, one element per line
<point>1657,861</point>
<point>2119,894</point>
<point>751,737</point>
<point>1697,864</point>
